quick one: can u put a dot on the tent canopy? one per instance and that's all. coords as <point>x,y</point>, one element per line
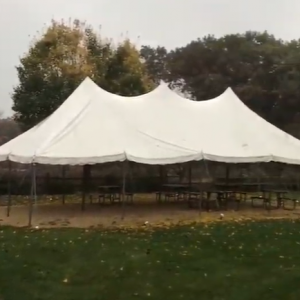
<point>85,130</point>
<point>94,126</point>
<point>223,129</point>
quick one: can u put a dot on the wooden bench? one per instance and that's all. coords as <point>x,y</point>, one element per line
<point>168,196</point>
<point>263,202</point>
<point>193,199</point>
<point>115,198</point>
<point>286,201</point>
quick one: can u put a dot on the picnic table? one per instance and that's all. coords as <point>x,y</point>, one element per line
<point>279,194</point>
<point>112,193</point>
<point>247,186</point>
<point>108,187</point>
<point>176,191</point>
<point>175,185</point>
<point>222,197</point>
<point>238,184</point>
<point>204,198</point>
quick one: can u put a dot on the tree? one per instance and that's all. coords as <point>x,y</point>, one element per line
<point>156,61</point>
<point>287,110</point>
<point>126,74</point>
<point>54,65</point>
<point>61,58</point>
<point>100,53</point>
<point>9,129</point>
<point>254,64</point>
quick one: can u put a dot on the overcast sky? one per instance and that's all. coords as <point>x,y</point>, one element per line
<point>157,22</point>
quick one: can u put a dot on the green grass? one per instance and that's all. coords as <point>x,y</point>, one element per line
<point>236,261</point>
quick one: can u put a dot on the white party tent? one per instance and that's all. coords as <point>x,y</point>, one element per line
<point>223,129</point>
<point>94,126</point>
<point>85,130</point>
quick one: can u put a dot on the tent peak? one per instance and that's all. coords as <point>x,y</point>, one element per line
<point>89,81</point>
<point>163,83</point>
<point>231,94</point>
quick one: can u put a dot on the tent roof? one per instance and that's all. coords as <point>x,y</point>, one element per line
<point>222,129</point>
<point>161,127</point>
<point>84,130</point>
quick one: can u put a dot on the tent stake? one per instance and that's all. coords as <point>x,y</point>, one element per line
<point>9,190</point>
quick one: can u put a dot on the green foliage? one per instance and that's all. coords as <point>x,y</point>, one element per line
<point>262,70</point>
<point>126,74</point>
<point>61,58</point>
<point>9,129</point>
<point>156,60</point>
<point>212,64</point>
<point>100,53</point>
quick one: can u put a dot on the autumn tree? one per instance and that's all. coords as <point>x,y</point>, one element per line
<point>60,58</point>
<point>126,74</point>
<point>48,73</point>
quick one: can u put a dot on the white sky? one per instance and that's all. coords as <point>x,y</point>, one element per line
<point>157,22</point>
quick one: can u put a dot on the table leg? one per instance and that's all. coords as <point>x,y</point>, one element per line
<point>279,200</point>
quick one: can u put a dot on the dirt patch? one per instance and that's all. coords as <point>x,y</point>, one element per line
<point>70,215</point>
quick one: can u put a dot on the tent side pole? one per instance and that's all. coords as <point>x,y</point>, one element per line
<point>32,194</point>
<point>227,175</point>
<point>201,197</point>
<point>9,190</point>
<point>63,184</point>
<point>124,171</point>
<point>83,187</point>
<point>86,174</point>
<point>187,194</point>
<point>190,175</point>
<point>34,186</point>
<point>161,175</point>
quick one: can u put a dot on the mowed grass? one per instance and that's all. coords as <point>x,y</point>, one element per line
<point>237,260</point>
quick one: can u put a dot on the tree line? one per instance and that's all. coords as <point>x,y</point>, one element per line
<point>264,71</point>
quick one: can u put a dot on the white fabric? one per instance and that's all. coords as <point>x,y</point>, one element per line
<point>223,129</point>
<point>161,127</point>
<point>84,130</point>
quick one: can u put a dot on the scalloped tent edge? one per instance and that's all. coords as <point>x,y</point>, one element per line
<point>160,131</point>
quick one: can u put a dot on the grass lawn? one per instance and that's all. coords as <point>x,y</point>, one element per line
<point>236,261</point>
